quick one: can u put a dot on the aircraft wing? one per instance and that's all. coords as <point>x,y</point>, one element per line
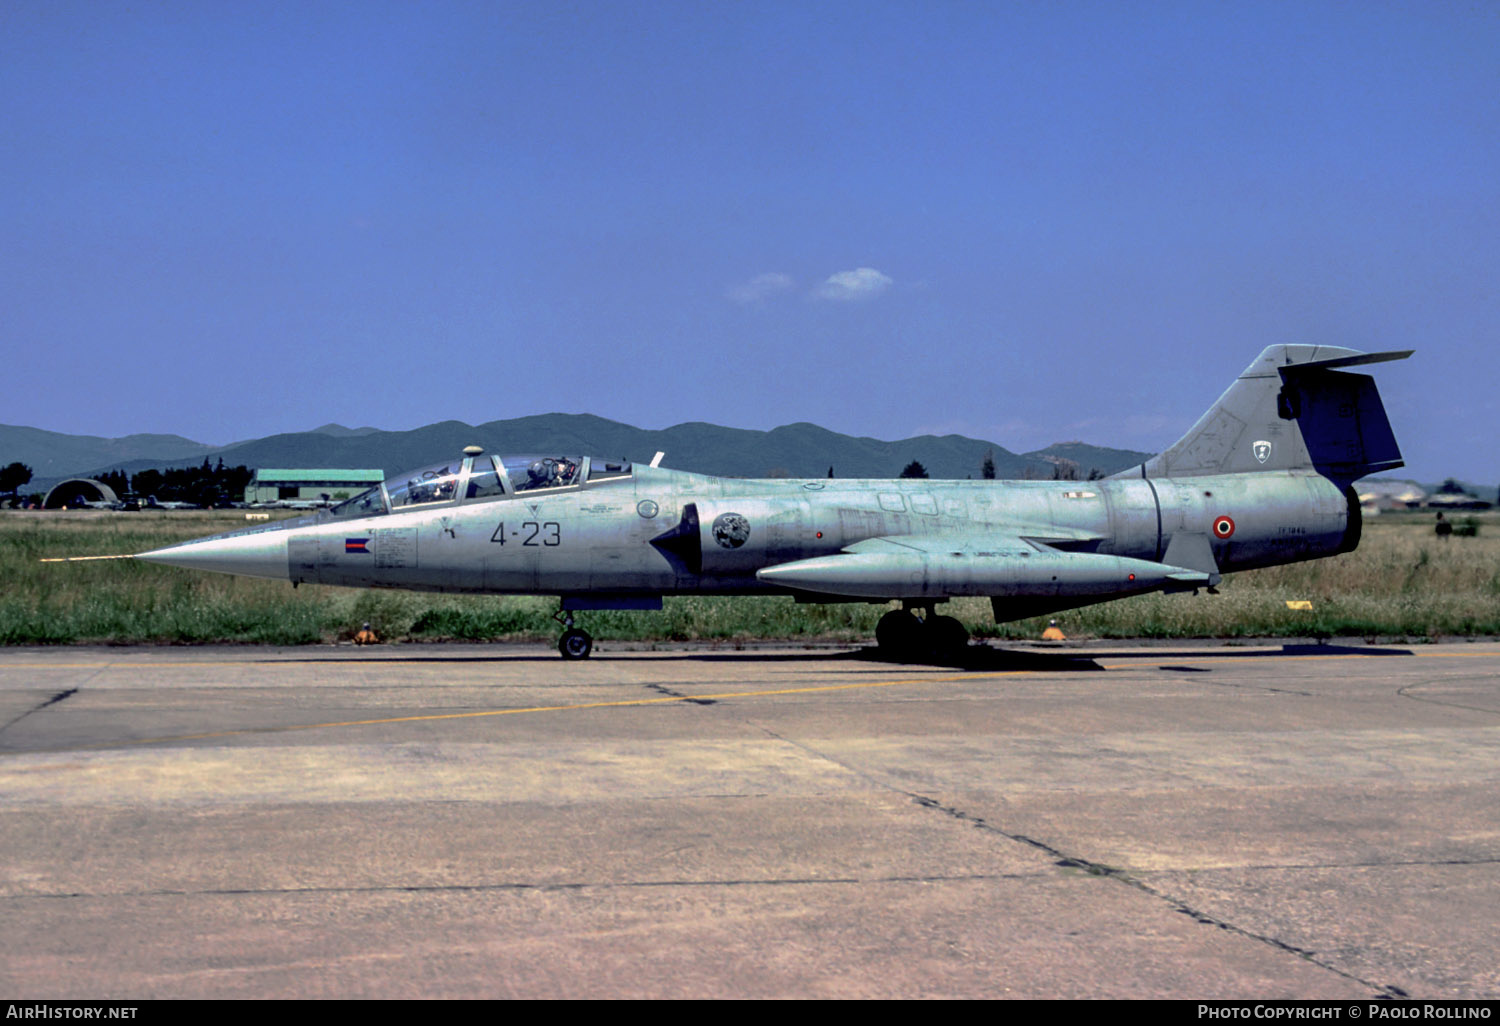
<point>1020,562</point>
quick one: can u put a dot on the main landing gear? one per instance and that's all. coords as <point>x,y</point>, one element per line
<point>901,634</point>
<point>575,642</point>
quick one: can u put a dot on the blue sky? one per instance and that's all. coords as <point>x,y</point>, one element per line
<point>1028,222</point>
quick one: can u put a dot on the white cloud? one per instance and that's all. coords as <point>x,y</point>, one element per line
<point>861,283</point>
<point>761,287</point>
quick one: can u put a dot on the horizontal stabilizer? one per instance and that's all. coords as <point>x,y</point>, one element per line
<point>1348,361</point>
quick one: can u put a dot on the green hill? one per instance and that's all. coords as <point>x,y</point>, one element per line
<point>793,450</point>
<point>51,454</point>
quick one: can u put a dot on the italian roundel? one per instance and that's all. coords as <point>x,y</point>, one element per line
<point>1223,526</point>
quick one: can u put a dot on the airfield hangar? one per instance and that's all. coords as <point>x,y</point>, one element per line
<point>76,491</point>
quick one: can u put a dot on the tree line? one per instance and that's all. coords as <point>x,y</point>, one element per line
<point>207,485</point>
<point>13,478</point>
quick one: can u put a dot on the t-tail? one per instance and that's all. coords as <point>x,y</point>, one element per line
<point>1294,408</point>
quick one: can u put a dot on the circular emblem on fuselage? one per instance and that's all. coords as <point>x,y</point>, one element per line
<point>731,530</point>
<point>1223,527</point>
<point>647,508</point>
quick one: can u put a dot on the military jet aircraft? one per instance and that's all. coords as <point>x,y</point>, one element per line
<point>1263,478</point>
<point>152,502</point>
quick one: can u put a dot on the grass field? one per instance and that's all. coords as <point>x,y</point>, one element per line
<point>1403,582</point>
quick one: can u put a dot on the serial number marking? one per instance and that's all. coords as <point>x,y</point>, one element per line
<point>546,532</point>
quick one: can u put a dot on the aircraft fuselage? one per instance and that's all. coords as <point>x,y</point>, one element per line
<point>599,538</point>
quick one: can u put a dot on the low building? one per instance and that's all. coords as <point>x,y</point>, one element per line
<point>1376,494</point>
<point>1456,500</point>
<point>318,484</point>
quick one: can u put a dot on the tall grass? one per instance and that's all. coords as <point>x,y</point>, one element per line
<point>1403,581</point>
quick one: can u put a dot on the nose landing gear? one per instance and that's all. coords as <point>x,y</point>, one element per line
<point>575,643</point>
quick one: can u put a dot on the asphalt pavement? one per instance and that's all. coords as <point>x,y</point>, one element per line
<point>1096,820</point>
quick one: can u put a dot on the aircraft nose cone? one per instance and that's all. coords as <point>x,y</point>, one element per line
<point>253,555</point>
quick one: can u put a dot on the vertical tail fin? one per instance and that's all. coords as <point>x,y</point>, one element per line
<point>1292,409</point>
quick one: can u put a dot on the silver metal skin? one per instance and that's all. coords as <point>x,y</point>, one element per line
<point>1262,479</point>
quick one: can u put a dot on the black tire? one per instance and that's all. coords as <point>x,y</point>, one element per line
<point>946,635</point>
<point>575,644</point>
<point>900,634</point>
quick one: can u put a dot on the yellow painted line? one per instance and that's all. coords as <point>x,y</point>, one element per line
<point>621,703</point>
<point>637,702</point>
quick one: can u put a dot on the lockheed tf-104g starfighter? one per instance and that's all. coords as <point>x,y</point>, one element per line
<point>1263,478</point>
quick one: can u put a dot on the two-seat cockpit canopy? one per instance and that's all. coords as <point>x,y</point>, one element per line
<point>474,477</point>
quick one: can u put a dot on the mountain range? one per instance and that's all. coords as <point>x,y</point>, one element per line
<point>794,450</point>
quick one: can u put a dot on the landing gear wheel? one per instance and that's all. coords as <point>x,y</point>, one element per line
<point>899,634</point>
<point>575,644</point>
<point>947,636</point>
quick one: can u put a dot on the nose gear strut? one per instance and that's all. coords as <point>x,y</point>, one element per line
<point>575,643</point>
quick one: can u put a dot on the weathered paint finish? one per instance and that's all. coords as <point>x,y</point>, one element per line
<point>1262,479</point>
<point>593,538</point>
